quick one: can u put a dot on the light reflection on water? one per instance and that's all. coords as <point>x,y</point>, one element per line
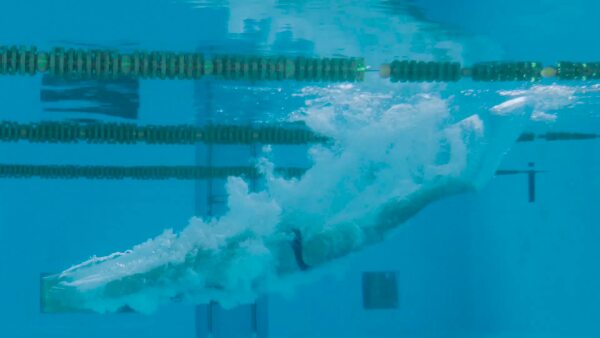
<point>378,30</point>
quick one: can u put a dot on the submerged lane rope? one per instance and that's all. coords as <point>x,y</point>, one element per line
<point>110,64</point>
<point>125,133</point>
<point>156,173</point>
<point>25,171</point>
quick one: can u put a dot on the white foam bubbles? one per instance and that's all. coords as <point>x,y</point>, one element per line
<point>385,147</point>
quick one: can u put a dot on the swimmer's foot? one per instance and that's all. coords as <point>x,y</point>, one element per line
<point>479,143</point>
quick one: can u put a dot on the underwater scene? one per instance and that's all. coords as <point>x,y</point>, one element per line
<point>299,168</point>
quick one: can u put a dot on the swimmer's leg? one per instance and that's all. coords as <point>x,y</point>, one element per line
<point>481,141</point>
<point>342,239</point>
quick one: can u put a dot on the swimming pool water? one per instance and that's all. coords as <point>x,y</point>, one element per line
<point>514,259</point>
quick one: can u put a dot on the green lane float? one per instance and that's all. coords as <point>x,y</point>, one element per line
<point>526,137</point>
<point>567,136</point>
<point>557,136</point>
<point>18,171</point>
<point>125,133</point>
<point>151,173</point>
<point>108,64</point>
<point>578,71</point>
<point>418,71</point>
<point>506,71</point>
<point>518,172</point>
<point>527,71</point>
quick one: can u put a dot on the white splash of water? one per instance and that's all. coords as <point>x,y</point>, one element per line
<point>385,148</point>
<point>544,99</point>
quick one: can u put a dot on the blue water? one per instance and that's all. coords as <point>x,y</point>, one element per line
<point>491,263</point>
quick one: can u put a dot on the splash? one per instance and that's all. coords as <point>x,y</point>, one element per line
<point>390,156</point>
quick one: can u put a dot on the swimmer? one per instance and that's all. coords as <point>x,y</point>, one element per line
<point>202,274</point>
